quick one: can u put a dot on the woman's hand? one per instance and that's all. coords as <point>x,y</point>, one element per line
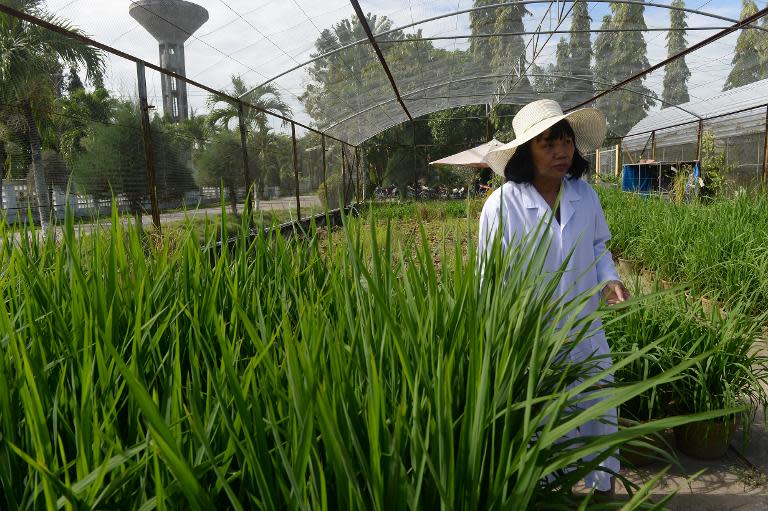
<point>614,292</point>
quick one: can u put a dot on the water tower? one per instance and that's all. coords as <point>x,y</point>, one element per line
<point>171,22</point>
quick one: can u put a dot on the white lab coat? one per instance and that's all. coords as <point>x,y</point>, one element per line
<point>518,209</point>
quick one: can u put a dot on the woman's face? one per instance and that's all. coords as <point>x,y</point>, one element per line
<point>552,158</point>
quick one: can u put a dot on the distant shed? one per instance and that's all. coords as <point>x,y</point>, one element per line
<point>736,117</point>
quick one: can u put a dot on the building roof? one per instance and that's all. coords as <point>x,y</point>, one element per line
<point>712,110</point>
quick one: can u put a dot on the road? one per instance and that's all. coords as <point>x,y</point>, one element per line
<point>283,203</point>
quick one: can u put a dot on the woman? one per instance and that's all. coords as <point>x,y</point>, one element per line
<point>544,164</point>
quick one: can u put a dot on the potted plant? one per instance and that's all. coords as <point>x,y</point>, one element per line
<point>628,332</point>
<point>730,376</point>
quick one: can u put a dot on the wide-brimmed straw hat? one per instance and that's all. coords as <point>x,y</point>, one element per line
<point>535,118</point>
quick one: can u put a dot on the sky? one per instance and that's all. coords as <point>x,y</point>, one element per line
<point>259,39</point>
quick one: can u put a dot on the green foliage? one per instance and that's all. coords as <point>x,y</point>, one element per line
<point>31,57</point>
<point>113,160</point>
<point>468,126</point>
<point>580,55</point>
<point>716,248</point>
<point>714,166</point>
<point>731,371</point>
<point>617,56</point>
<point>347,73</point>
<point>676,73</point>
<point>80,109</point>
<point>747,59</point>
<point>335,194</point>
<point>221,164</point>
<point>275,375</point>
<point>730,374</point>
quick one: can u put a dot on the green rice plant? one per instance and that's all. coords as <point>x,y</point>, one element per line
<point>731,372</point>
<point>276,375</point>
<point>717,249</point>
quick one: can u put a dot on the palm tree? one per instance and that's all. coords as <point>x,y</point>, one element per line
<point>266,97</point>
<point>29,57</point>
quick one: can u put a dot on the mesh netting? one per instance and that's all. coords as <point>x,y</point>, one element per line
<point>314,63</point>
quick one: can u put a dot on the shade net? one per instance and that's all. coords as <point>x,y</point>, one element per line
<point>313,62</point>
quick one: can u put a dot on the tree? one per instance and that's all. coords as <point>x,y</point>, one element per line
<point>79,110</point>
<point>341,81</point>
<point>481,23</point>
<point>563,68</point>
<point>74,83</point>
<point>26,49</point>
<point>676,73</point>
<point>266,97</point>
<point>747,57</point>
<point>580,52</point>
<point>604,54</point>
<point>113,161</point>
<point>618,56</point>
<point>221,164</point>
<point>507,51</point>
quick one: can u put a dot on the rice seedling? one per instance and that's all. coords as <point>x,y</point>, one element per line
<point>276,375</point>
<point>731,372</point>
<point>718,249</point>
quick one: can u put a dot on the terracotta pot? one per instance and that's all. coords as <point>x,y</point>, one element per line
<point>705,440</point>
<point>639,456</point>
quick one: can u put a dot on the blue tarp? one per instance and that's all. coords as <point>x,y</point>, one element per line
<point>638,178</point>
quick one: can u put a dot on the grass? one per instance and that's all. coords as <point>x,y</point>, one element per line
<point>284,375</point>
<point>731,373</point>
<point>719,249</point>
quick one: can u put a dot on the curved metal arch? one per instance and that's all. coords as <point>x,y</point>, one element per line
<point>406,96</point>
<point>494,6</point>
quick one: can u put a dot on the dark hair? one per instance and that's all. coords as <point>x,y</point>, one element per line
<point>520,167</point>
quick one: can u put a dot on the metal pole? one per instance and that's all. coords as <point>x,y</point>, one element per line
<point>765,149</point>
<point>597,161</point>
<point>325,168</point>
<point>296,170</point>
<point>653,145</point>
<point>357,175</point>
<point>149,155</point>
<point>343,189</point>
<point>487,124</point>
<point>415,170</point>
<point>364,172</point>
<point>248,209</point>
<point>698,141</point>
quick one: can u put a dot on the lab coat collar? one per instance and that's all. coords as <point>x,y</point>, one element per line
<point>570,195</point>
<point>532,199</point>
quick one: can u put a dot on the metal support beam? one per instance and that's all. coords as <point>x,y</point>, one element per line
<point>296,171</point>
<point>488,7</point>
<point>248,209</point>
<point>482,77</point>
<point>699,134</point>
<point>741,24</point>
<point>377,49</point>
<point>357,174</point>
<point>546,32</point>
<point>149,153</point>
<point>765,149</point>
<point>325,169</point>
<point>114,51</point>
<point>413,151</point>
<point>520,68</point>
<point>653,145</point>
